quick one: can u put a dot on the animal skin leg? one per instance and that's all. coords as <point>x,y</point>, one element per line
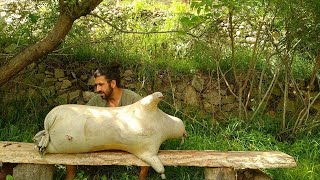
<point>154,162</point>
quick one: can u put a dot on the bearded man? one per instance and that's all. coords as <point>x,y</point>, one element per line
<point>111,94</point>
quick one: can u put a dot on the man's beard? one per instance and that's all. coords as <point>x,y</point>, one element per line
<point>107,94</point>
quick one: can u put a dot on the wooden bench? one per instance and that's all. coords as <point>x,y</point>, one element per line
<point>218,165</point>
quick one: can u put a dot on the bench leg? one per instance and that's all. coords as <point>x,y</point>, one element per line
<point>219,174</point>
<point>33,172</point>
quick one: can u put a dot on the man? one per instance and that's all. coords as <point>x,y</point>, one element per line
<point>111,94</point>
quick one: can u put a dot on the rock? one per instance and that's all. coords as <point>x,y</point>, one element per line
<point>220,116</point>
<point>127,73</point>
<point>210,108</point>
<point>50,91</point>
<point>63,78</point>
<point>179,89</point>
<point>87,95</point>
<point>91,81</point>
<point>179,96</point>
<point>31,80</point>
<point>48,73</point>
<point>316,106</point>
<point>128,78</point>
<point>228,99</point>
<point>291,105</point>
<point>59,73</point>
<point>83,77</point>
<point>74,81</point>
<point>192,97</point>
<point>74,95</point>
<point>229,107</point>
<point>223,92</point>
<point>49,82</point>
<point>131,86</point>
<point>181,86</point>
<point>81,101</point>
<point>62,99</point>
<point>39,76</point>
<point>91,65</point>
<point>58,85</point>
<point>65,84</point>
<point>198,83</point>
<point>212,97</point>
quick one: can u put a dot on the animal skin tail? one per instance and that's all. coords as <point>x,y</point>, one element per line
<point>41,140</point>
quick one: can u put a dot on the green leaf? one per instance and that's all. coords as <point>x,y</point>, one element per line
<point>104,177</point>
<point>185,21</point>
<point>9,177</point>
<point>33,18</point>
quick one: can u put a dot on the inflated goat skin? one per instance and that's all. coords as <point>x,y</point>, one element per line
<point>139,128</point>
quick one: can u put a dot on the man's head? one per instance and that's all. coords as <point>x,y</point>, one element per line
<point>107,79</point>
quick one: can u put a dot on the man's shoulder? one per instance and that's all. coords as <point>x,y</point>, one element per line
<point>96,97</point>
<point>129,97</point>
<point>130,93</point>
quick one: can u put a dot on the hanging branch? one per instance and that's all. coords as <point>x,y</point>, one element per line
<point>268,93</point>
<point>139,32</point>
<point>299,122</point>
<point>219,87</point>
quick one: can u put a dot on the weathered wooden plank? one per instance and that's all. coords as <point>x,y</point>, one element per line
<point>18,152</point>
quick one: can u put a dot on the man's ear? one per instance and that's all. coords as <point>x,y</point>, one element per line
<point>113,83</point>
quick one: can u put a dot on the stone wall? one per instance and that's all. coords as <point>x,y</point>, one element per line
<point>72,82</point>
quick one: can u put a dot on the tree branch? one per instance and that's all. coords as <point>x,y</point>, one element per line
<point>137,32</point>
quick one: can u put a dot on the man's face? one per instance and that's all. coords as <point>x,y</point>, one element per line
<point>103,87</point>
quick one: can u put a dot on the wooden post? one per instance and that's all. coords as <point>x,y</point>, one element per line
<point>219,174</point>
<point>33,172</point>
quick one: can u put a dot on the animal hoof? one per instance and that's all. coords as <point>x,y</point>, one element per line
<point>163,176</point>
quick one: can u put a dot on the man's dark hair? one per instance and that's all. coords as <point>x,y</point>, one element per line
<point>111,72</point>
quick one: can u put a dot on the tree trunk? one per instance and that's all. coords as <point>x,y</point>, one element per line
<point>54,38</point>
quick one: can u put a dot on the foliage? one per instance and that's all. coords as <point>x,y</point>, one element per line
<point>27,21</point>
<point>19,113</point>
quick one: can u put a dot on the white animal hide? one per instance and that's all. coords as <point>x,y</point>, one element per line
<point>139,128</point>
